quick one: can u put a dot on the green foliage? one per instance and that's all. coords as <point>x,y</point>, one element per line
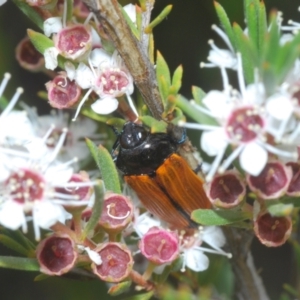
<point>210,217</point>
<point>106,166</point>
<point>119,288</point>
<point>19,263</point>
<point>96,211</point>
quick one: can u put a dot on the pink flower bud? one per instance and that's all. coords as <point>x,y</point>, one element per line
<point>28,57</point>
<point>56,254</point>
<point>159,245</point>
<point>272,231</point>
<point>226,190</point>
<point>74,41</point>
<point>294,186</point>
<point>62,93</point>
<point>117,212</point>
<point>116,263</point>
<point>272,182</point>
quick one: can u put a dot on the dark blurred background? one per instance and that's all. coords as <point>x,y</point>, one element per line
<point>182,39</point>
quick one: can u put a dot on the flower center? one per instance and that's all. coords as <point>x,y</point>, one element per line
<point>26,186</point>
<point>244,124</point>
<point>113,80</point>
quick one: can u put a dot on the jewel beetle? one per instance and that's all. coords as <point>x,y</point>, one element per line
<point>162,180</point>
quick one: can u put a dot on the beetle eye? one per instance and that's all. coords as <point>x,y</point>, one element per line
<point>132,136</point>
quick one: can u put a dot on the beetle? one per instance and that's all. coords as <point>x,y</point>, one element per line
<point>162,180</point>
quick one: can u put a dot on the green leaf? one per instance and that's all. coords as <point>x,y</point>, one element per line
<point>41,277</point>
<point>119,288</point>
<point>248,53</point>
<point>280,209</point>
<point>31,13</point>
<point>132,26</point>
<point>88,112</point>
<point>296,247</point>
<point>19,237</point>
<point>176,80</point>
<point>155,125</point>
<point>106,166</point>
<point>144,296</point>
<point>19,263</point>
<point>252,22</point>
<point>191,111</point>
<point>12,244</point>
<point>39,41</point>
<point>198,94</point>
<point>163,76</point>
<point>262,25</point>
<point>224,20</point>
<point>158,19</point>
<point>218,217</point>
<point>96,211</point>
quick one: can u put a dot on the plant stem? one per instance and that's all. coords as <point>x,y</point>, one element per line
<point>131,50</point>
<point>248,283</point>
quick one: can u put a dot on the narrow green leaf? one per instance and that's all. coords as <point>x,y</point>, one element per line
<point>144,296</point>
<point>96,211</point>
<point>158,19</point>
<point>163,76</point>
<point>12,244</point>
<point>169,105</point>
<point>195,114</point>
<point>19,237</point>
<point>41,277</point>
<point>248,53</point>
<point>218,217</point>
<point>176,80</point>
<point>296,247</point>
<point>31,13</point>
<point>132,26</point>
<point>88,112</point>
<point>41,43</point>
<point>262,25</point>
<point>252,23</point>
<point>224,20</point>
<point>155,125</point>
<point>198,94</point>
<point>39,40</point>
<point>19,263</point>
<point>106,166</point>
<point>119,288</point>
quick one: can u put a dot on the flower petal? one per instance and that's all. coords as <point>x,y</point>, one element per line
<point>280,107</point>
<point>50,55</point>
<point>12,215</point>
<point>84,76</point>
<point>105,106</point>
<point>253,158</point>
<point>213,236</point>
<point>52,25</point>
<point>196,260</point>
<point>213,141</point>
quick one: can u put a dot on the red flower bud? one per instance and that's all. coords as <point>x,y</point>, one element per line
<point>226,190</point>
<point>294,186</point>
<point>116,263</point>
<point>56,254</point>
<point>272,182</point>
<point>272,231</point>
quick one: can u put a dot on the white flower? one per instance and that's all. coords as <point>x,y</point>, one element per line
<point>244,123</point>
<point>2,2</point>
<point>193,255</point>
<point>107,76</point>
<point>50,55</point>
<point>74,145</point>
<point>32,188</point>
